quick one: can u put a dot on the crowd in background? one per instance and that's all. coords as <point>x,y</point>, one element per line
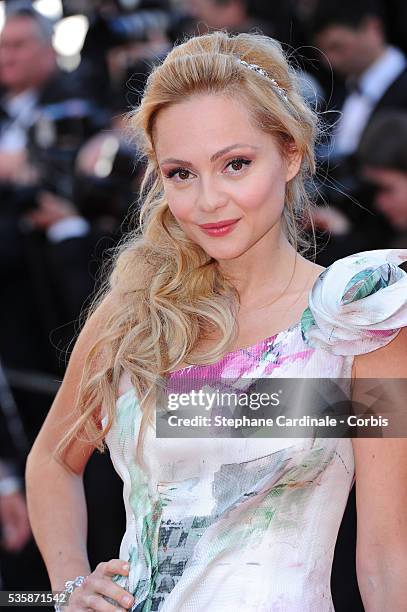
<point>69,179</point>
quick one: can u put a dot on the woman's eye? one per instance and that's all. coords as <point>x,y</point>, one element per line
<point>180,171</point>
<point>184,174</point>
<point>239,161</point>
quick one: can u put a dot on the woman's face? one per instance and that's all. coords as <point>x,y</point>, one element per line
<point>216,166</point>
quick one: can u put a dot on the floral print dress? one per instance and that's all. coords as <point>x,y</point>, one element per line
<point>250,524</point>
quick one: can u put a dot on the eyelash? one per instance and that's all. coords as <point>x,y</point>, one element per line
<point>174,171</point>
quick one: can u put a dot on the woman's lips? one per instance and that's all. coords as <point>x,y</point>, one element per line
<point>220,230</point>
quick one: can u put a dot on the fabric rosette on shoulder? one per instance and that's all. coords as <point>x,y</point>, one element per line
<point>358,303</point>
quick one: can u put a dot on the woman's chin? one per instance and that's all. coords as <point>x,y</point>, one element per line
<point>222,248</point>
<point>226,254</point>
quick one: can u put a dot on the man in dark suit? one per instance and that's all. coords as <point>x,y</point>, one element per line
<point>369,75</point>
<point>29,80</point>
<point>352,36</point>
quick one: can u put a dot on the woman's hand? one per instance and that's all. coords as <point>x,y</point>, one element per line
<point>98,585</point>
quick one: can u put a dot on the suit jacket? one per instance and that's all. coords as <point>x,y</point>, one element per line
<point>395,97</point>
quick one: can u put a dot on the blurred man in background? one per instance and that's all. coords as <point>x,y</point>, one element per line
<point>352,36</point>
<point>369,75</point>
<point>29,78</point>
<point>383,159</point>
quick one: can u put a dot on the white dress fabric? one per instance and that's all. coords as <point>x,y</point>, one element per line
<point>250,524</point>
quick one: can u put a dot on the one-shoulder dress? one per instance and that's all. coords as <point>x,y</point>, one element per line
<point>250,524</point>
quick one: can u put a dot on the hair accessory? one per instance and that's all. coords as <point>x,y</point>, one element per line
<point>256,68</point>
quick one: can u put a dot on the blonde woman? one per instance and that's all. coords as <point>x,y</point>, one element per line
<point>215,281</point>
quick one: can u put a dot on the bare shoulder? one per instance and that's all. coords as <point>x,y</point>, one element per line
<point>318,268</point>
<point>310,270</point>
<point>62,413</point>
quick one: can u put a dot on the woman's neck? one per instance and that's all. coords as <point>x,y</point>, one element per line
<point>267,269</point>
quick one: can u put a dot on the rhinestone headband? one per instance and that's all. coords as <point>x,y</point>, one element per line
<point>282,92</point>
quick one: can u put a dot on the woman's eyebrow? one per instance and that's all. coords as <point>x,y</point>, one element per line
<point>215,156</point>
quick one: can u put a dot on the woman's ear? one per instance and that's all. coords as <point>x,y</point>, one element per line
<point>294,160</point>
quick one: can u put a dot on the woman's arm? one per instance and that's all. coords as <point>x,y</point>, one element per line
<point>381,494</point>
<point>54,489</point>
<point>58,516</point>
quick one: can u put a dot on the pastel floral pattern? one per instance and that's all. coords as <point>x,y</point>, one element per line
<point>359,304</point>
<point>250,524</point>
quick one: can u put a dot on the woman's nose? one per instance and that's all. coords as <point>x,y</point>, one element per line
<point>211,196</point>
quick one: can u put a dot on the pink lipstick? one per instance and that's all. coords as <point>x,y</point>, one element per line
<point>220,228</point>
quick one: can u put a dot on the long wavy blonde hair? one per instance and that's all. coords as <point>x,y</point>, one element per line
<point>169,293</point>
